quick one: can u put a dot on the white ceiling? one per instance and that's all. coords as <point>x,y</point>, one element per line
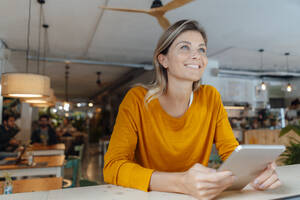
<point>236,29</point>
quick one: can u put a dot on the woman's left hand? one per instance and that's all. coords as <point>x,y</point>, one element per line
<point>268,179</point>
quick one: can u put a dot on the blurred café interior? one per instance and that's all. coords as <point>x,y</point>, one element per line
<point>66,65</point>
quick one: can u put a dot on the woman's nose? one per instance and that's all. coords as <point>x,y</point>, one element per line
<point>196,54</point>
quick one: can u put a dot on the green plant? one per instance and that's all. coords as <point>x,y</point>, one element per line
<point>292,153</point>
<point>288,128</point>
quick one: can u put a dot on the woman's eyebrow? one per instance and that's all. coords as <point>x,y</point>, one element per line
<point>187,42</point>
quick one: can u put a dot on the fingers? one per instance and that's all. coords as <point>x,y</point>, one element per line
<point>206,183</point>
<point>274,164</point>
<point>268,179</point>
<point>266,174</point>
<point>276,184</point>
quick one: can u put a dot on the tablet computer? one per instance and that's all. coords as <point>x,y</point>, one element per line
<point>246,162</point>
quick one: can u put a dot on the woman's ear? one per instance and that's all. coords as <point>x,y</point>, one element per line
<point>162,59</point>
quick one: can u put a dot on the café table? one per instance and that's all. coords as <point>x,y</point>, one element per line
<point>34,184</point>
<point>289,175</point>
<point>43,165</point>
<point>46,150</point>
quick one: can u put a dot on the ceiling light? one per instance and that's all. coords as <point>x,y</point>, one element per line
<point>51,99</point>
<point>42,105</point>
<point>263,86</point>
<point>98,82</point>
<point>35,101</point>
<point>25,85</point>
<point>289,87</point>
<point>91,104</point>
<point>234,107</point>
<point>66,106</point>
<point>67,81</point>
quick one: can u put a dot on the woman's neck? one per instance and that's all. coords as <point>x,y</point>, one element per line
<point>176,100</point>
<point>179,92</point>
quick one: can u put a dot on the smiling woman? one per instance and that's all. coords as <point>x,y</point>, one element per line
<point>164,132</point>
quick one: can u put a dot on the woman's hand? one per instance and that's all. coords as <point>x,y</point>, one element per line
<point>205,183</point>
<point>268,179</point>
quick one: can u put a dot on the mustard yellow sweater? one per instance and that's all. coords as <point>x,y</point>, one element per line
<point>145,140</point>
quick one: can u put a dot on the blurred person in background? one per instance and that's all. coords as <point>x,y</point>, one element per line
<point>8,131</point>
<point>44,134</point>
<point>65,129</point>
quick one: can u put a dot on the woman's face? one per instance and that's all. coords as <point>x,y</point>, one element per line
<point>186,58</point>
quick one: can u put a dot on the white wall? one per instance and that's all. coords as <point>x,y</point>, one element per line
<point>234,89</point>
<point>245,90</point>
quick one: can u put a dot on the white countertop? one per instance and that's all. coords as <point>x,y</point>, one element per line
<point>289,175</point>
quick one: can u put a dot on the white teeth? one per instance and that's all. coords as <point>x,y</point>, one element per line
<point>193,66</point>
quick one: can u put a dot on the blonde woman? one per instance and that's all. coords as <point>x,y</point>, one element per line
<point>164,132</point>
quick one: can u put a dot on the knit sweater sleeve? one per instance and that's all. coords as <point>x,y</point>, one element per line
<point>120,167</point>
<point>224,137</point>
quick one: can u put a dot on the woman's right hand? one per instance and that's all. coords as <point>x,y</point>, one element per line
<point>205,183</point>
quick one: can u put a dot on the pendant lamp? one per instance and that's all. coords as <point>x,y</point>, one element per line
<point>50,99</point>
<point>22,85</point>
<point>46,102</point>
<point>288,87</point>
<point>25,85</point>
<point>42,105</point>
<point>263,85</point>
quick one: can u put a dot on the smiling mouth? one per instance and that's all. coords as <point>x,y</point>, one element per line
<point>193,66</point>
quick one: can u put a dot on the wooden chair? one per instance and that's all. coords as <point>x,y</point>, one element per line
<point>74,162</point>
<point>34,185</point>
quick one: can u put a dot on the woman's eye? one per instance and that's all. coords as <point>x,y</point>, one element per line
<point>202,50</point>
<point>185,47</point>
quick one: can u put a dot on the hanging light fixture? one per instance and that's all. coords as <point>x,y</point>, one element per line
<point>25,85</point>
<point>42,105</point>
<point>263,85</point>
<point>288,87</point>
<point>48,101</point>
<point>66,104</point>
<point>67,81</point>
<point>98,82</point>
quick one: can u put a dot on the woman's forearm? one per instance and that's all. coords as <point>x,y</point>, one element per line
<point>166,182</point>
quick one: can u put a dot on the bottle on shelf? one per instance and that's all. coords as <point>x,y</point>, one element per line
<point>8,186</point>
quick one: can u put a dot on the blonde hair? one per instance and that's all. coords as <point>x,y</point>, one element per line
<point>160,82</point>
